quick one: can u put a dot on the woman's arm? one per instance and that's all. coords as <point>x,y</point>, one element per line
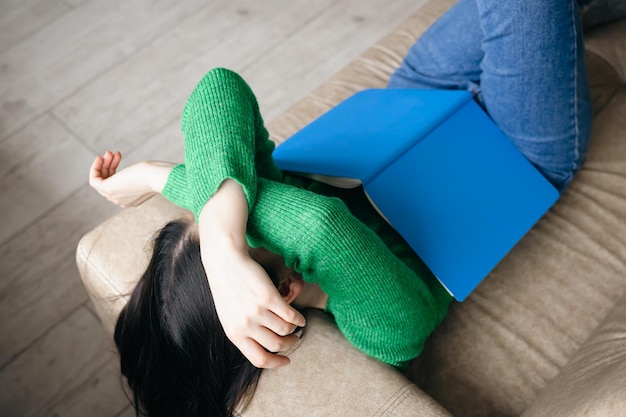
<point>226,150</point>
<point>251,311</point>
<point>381,306</point>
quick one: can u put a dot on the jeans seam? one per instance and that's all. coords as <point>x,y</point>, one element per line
<point>577,101</point>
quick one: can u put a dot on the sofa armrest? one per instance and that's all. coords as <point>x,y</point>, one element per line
<point>112,257</point>
<point>327,375</point>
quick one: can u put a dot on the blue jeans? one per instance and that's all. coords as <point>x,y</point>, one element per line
<point>524,62</point>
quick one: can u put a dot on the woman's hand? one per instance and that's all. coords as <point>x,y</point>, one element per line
<point>130,186</point>
<point>253,314</point>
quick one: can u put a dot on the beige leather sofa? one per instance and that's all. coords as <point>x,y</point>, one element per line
<point>544,335</point>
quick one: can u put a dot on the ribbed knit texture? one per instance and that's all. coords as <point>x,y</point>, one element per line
<point>385,302</point>
<point>224,138</point>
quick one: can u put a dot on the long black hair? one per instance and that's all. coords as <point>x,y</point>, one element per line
<point>173,350</point>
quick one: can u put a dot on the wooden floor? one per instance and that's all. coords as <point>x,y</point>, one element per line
<point>78,77</point>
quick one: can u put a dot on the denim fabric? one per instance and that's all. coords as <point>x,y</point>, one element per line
<point>524,62</point>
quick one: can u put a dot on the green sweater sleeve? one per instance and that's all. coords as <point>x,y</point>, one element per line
<point>380,305</point>
<point>175,188</point>
<point>224,138</point>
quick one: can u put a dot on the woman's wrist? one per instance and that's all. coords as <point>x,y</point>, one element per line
<point>222,221</point>
<point>156,174</point>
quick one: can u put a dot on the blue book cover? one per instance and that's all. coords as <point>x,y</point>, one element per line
<point>437,169</point>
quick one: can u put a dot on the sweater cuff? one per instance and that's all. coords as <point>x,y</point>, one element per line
<point>176,187</point>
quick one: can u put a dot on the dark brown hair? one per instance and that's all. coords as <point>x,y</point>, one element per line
<point>173,350</point>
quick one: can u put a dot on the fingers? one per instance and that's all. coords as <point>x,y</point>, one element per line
<point>288,315</point>
<point>265,335</point>
<point>117,158</point>
<point>274,343</point>
<point>261,358</point>
<point>278,326</point>
<point>274,336</point>
<point>110,163</point>
<point>106,163</point>
<point>95,172</point>
<point>103,167</point>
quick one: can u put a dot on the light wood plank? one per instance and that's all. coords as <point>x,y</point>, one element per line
<point>101,395</point>
<point>320,49</point>
<point>75,3</point>
<point>56,61</point>
<point>40,282</point>
<point>19,19</point>
<point>166,145</point>
<point>39,167</point>
<point>134,101</point>
<point>61,374</point>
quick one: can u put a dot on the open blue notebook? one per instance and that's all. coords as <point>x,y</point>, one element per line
<point>436,167</point>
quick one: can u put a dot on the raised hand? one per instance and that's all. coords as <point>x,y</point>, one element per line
<point>130,186</point>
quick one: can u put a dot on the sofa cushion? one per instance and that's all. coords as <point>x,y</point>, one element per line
<point>607,64</point>
<point>495,352</point>
<point>593,383</point>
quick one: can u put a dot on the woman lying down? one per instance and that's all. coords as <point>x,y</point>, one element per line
<point>217,300</point>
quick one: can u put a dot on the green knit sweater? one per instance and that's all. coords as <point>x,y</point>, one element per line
<point>384,300</point>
